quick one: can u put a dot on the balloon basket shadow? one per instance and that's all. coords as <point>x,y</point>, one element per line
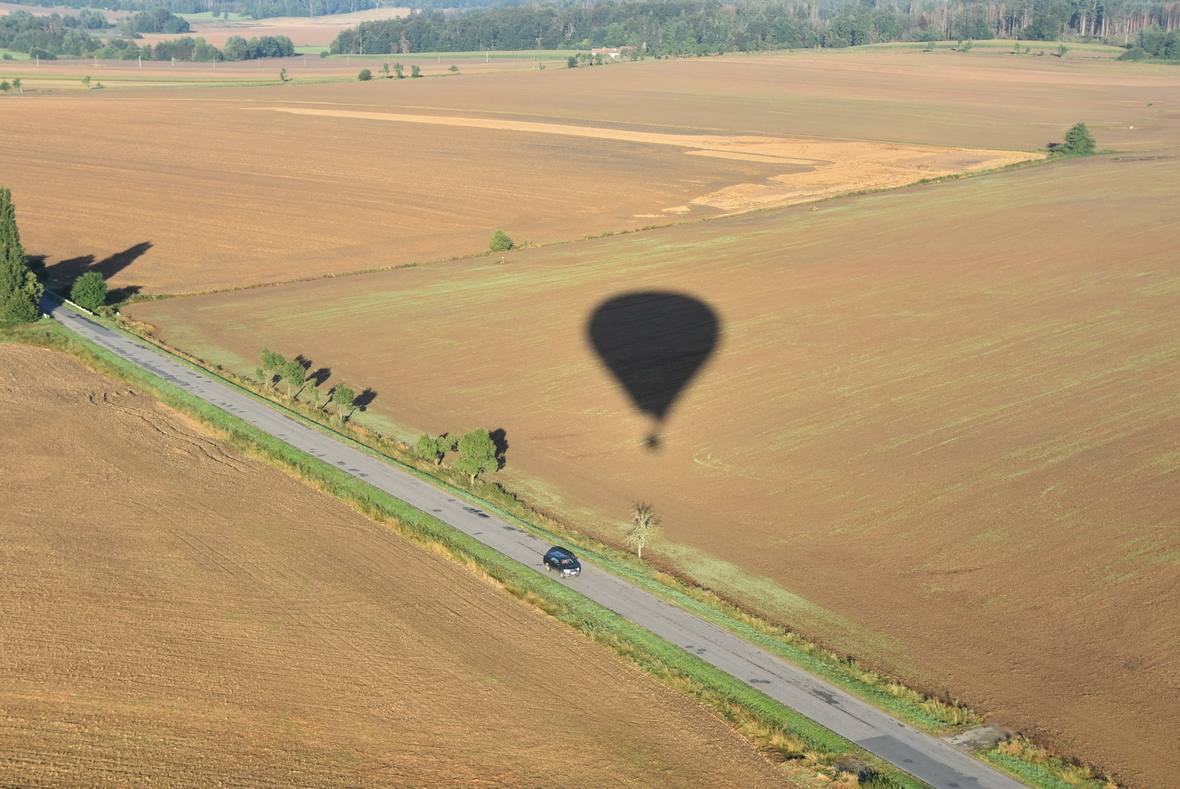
<point>652,442</point>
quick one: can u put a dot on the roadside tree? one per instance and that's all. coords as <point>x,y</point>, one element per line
<point>272,366</point>
<point>344,398</point>
<point>644,524</point>
<point>89,290</point>
<point>433,448</point>
<point>295,374</point>
<point>477,453</point>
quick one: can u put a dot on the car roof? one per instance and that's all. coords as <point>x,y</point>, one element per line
<point>557,550</point>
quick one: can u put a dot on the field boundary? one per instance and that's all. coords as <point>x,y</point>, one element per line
<point>961,176</point>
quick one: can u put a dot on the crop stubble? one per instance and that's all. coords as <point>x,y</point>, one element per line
<point>171,612</point>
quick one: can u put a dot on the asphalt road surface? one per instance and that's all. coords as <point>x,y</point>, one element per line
<point>927,758</point>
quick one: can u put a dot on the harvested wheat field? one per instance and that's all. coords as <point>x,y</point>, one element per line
<point>355,176</point>
<point>161,626</point>
<point>934,435</point>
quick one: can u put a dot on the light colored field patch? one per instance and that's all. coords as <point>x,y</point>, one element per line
<point>819,168</point>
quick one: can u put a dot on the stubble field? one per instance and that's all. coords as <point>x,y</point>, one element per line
<point>940,429</point>
<point>174,613</point>
<point>228,192</point>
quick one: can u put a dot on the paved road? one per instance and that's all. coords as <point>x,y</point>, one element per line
<point>923,756</point>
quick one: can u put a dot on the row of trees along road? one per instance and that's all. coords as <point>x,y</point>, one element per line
<point>297,377</point>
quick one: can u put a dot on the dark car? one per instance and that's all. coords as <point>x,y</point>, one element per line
<point>563,561</point>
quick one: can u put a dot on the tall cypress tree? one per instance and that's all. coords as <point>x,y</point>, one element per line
<point>20,292</point>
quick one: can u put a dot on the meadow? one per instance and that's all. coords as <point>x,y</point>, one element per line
<point>939,430</point>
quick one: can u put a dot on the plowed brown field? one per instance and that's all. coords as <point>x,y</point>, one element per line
<point>229,197</point>
<point>173,613</point>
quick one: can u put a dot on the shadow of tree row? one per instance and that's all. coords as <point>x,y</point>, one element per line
<point>62,274</point>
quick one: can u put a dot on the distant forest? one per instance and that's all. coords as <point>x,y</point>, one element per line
<point>50,37</point>
<point>258,9</point>
<point>679,27</point>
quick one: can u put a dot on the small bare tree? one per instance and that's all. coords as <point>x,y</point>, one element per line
<point>644,524</point>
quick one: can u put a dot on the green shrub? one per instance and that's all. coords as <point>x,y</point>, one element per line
<point>501,242</point>
<point>1078,141</point>
<point>364,75</point>
<point>90,291</point>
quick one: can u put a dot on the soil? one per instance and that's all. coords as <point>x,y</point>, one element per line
<point>939,432</point>
<point>314,195</point>
<point>172,612</point>
<point>944,416</point>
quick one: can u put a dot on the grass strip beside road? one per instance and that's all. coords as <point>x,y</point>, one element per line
<point>777,730</point>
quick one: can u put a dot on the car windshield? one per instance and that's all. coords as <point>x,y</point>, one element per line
<point>567,562</point>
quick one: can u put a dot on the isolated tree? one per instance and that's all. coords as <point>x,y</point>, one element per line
<point>16,85</point>
<point>571,62</point>
<point>364,75</point>
<point>1062,51</point>
<point>89,290</point>
<point>453,69</point>
<point>500,242</point>
<point>20,291</point>
<point>295,374</point>
<point>1078,140</point>
<point>415,72</point>
<point>433,448</point>
<point>4,86</point>
<point>644,524</point>
<point>477,453</point>
<point>86,80</point>
<point>399,70</point>
<point>344,397</point>
<point>283,75</point>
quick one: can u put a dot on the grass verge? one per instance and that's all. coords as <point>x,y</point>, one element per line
<point>781,733</point>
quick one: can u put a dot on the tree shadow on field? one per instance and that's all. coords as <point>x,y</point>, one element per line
<point>62,274</point>
<point>320,376</point>
<point>364,399</point>
<point>500,439</point>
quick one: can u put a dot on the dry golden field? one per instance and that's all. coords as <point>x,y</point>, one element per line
<point>173,613</point>
<point>940,430</point>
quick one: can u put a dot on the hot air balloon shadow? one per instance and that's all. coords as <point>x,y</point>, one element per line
<point>655,343</point>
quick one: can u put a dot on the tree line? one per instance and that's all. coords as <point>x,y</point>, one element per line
<point>477,449</point>
<point>49,37</point>
<point>684,27</point>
